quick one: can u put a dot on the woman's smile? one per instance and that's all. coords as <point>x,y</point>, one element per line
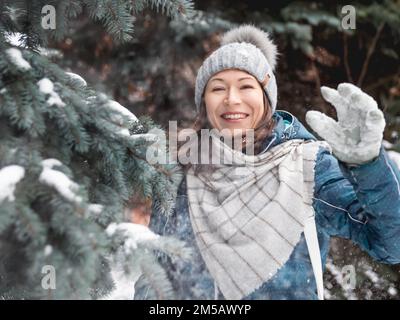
<point>234,116</point>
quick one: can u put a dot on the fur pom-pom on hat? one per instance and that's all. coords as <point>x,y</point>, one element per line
<point>251,34</point>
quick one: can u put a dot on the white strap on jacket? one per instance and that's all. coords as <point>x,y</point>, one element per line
<point>310,233</point>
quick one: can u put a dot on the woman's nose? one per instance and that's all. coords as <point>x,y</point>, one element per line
<point>233,97</point>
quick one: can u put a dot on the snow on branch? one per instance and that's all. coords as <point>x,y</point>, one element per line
<point>9,177</point>
<point>134,233</point>
<point>115,106</point>
<point>17,59</point>
<point>47,87</point>
<point>14,38</point>
<point>77,78</point>
<point>58,180</point>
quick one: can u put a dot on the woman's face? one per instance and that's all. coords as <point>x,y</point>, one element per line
<point>234,100</point>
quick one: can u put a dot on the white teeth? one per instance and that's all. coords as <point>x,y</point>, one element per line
<point>234,116</point>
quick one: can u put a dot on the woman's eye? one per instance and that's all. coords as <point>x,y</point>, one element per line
<point>244,87</point>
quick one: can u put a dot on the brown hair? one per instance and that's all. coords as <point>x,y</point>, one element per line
<point>261,132</point>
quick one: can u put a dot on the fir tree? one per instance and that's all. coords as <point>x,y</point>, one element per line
<point>70,160</point>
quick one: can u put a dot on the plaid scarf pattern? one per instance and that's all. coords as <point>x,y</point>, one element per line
<point>248,215</point>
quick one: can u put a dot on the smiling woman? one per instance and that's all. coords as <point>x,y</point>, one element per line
<point>260,226</point>
<point>234,100</point>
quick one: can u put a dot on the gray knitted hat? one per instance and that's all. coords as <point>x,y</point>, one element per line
<point>246,48</point>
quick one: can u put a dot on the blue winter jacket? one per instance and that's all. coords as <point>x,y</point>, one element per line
<point>360,203</point>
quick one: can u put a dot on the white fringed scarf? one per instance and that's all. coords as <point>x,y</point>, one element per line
<point>248,216</point>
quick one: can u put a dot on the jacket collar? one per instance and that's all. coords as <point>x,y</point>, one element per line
<point>287,127</point>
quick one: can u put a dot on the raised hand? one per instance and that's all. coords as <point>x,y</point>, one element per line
<point>357,136</point>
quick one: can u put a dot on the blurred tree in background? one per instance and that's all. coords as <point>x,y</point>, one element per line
<point>153,72</point>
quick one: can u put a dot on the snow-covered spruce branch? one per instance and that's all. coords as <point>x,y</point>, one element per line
<point>139,236</point>
<point>134,257</point>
